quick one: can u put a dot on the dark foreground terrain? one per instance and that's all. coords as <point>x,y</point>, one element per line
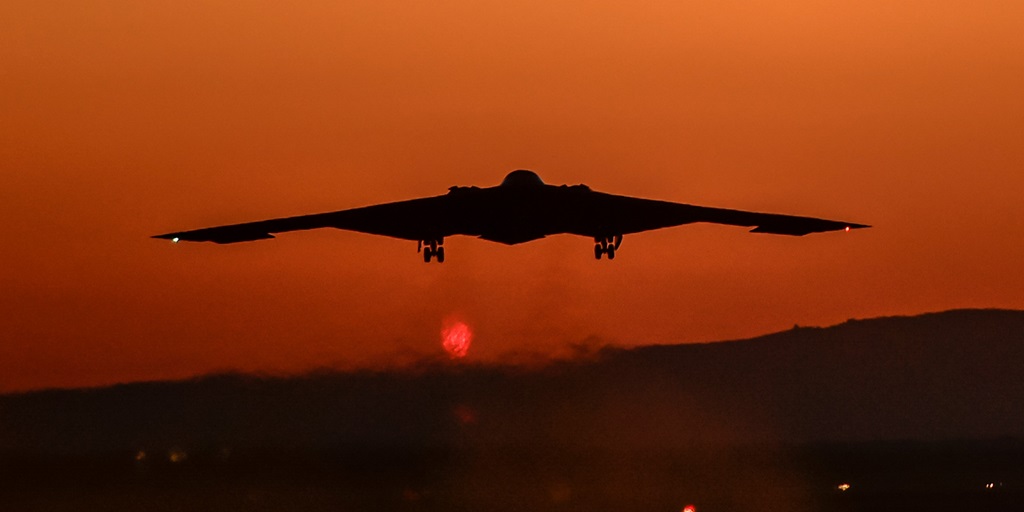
<point>916,413</point>
<point>882,477</point>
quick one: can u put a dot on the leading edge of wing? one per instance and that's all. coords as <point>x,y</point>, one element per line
<point>800,226</point>
<point>772,223</point>
<point>624,214</point>
<point>245,232</point>
<point>415,219</point>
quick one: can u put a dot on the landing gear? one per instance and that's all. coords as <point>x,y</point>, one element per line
<point>431,249</point>
<point>606,245</point>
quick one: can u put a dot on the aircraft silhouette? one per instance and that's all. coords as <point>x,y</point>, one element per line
<point>522,208</point>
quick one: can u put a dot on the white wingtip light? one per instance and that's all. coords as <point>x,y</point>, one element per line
<point>176,239</point>
<point>847,229</point>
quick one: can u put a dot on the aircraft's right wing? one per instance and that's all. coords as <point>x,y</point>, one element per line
<point>621,215</point>
<point>416,219</point>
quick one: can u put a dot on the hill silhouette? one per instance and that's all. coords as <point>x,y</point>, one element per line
<point>942,376</point>
<point>917,413</point>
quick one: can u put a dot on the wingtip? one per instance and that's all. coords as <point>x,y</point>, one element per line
<point>174,237</point>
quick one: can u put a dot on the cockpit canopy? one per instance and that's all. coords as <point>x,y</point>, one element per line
<point>522,178</point>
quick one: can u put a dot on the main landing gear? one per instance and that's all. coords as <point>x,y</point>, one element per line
<point>431,249</point>
<point>606,245</point>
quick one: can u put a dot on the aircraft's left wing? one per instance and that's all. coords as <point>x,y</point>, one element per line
<point>618,215</point>
<point>416,219</point>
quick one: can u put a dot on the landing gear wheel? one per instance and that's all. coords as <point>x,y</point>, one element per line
<point>598,251</point>
<point>610,251</point>
<point>440,254</point>
<point>428,254</point>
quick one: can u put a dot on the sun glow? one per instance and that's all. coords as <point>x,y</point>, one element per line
<point>456,338</point>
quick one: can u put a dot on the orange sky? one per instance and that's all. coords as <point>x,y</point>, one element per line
<point>124,119</point>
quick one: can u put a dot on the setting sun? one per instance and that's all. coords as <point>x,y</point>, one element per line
<point>456,337</point>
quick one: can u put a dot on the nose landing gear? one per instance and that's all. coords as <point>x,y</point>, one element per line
<point>606,246</point>
<point>433,249</point>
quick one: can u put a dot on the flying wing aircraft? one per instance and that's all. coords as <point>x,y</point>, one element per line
<point>522,208</point>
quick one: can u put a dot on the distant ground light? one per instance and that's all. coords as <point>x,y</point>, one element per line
<point>843,487</point>
<point>456,337</point>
